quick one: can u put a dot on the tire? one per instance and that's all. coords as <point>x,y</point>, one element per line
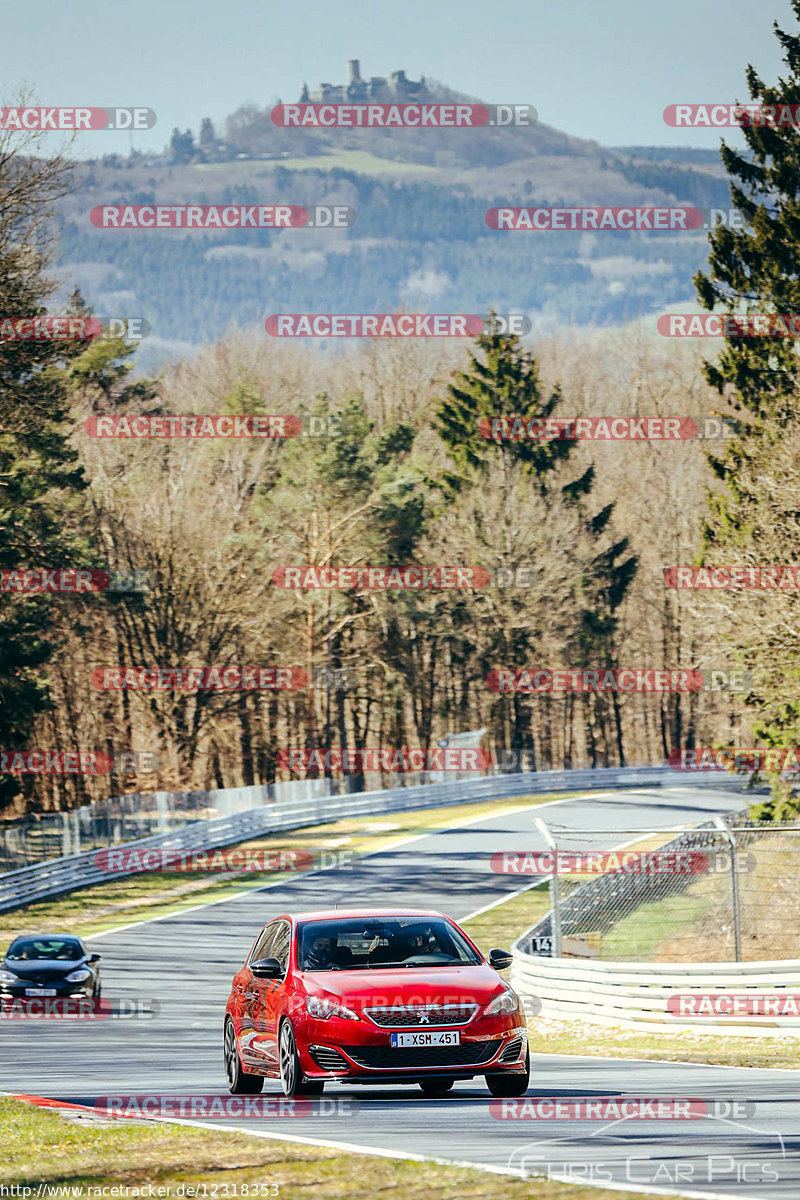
<point>511,1083</point>
<point>436,1087</point>
<point>239,1084</point>
<point>292,1080</point>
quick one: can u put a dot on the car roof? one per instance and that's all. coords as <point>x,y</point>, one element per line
<point>331,914</point>
<point>48,937</point>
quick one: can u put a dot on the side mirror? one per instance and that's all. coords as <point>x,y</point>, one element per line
<point>266,968</point>
<point>94,958</point>
<point>500,959</point>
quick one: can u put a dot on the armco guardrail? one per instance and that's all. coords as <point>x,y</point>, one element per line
<point>635,995</point>
<point>66,874</point>
<point>39,837</point>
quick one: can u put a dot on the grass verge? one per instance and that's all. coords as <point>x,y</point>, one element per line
<point>39,1146</point>
<point>548,1036</point>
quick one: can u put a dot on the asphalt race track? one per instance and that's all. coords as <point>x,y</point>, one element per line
<point>186,962</point>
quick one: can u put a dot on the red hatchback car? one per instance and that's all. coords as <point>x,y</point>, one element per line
<point>366,996</point>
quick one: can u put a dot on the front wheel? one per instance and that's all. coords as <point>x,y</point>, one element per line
<point>292,1080</point>
<point>239,1084</point>
<point>511,1083</point>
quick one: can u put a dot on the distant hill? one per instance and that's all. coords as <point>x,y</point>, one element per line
<point>419,241</point>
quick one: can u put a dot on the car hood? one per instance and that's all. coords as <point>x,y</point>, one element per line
<point>411,985</point>
<point>43,969</point>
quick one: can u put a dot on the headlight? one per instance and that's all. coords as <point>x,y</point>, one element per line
<point>506,1002</point>
<point>324,1009</point>
<point>78,976</point>
<point>8,976</point>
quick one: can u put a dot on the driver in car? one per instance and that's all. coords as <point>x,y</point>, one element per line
<point>417,941</point>
<point>322,952</point>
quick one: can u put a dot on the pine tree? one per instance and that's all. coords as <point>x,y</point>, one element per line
<point>756,269</point>
<point>502,381</point>
<point>40,480</point>
<point>499,386</point>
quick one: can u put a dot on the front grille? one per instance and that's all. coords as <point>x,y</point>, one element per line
<point>512,1051</point>
<point>328,1059</point>
<point>387,1057</point>
<point>401,1016</point>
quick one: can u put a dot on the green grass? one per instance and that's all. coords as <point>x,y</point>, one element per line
<point>39,1146</point>
<point>638,936</point>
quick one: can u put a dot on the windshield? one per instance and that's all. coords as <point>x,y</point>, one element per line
<point>27,949</point>
<point>359,943</point>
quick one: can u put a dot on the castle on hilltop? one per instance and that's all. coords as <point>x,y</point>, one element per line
<point>396,87</point>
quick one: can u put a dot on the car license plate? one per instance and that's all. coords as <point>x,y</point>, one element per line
<point>40,991</point>
<point>444,1037</point>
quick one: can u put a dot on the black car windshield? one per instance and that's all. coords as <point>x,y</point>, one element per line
<point>360,943</point>
<point>28,949</point>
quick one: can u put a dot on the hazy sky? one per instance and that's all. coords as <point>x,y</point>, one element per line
<point>602,69</point>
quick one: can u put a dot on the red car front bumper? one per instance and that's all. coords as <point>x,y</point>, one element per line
<point>358,1051</point>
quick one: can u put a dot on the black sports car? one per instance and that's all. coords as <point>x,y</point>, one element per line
<point>49,965</point>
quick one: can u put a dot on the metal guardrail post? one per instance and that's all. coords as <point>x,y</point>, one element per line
<point>737,934</point>
<point>555,900</point>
